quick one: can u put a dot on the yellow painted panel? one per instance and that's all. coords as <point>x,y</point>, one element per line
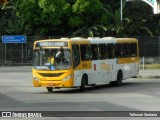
<point>128,60</point>
<point>53,81</point>
<point>84,65</point>
<point>126,40</point>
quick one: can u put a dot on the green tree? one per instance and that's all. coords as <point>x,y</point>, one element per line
<point>87,18</point>
<point>132,24</point>
<point>92,31</point>
<point>44,17</point>
<point>55,15</point>
<point>61,17</point>
<point>141,19</point>
<point>29,12</point>
<point>78,18</point>
<point>10,24</point>
<point>1,20</point>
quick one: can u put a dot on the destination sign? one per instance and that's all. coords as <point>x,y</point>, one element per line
<point>52,44</point>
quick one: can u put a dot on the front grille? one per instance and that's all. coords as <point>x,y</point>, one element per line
<point>50,74</point>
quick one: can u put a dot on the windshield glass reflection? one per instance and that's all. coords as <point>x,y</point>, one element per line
<point>51,59</point>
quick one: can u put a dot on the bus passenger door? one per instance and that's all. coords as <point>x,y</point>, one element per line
<point>111,61</point>
<point>96,75</point>
<point>104,68</point>
<point>111,69</point>
<point>104,65</point>
<point>76,65</point>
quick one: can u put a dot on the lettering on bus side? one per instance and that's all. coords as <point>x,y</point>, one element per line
<point>84,65</point>
<point>105,66</point>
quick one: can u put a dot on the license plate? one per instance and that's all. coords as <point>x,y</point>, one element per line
<point>51,84</point>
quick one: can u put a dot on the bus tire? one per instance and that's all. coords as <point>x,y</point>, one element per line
<point>118,82</point>
<point>119,78</point>
<point>50,89</point>
<point>83,83</point>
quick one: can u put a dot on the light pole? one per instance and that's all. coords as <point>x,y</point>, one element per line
<point>121,10</point>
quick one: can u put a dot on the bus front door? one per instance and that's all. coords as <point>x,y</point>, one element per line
<point>96,72</point>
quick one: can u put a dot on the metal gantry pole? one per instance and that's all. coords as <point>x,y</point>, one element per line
<point>5,53</point>
<point>22,53</point>
<point>121,10</point>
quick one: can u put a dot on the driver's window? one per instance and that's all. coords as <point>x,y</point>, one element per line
<point>76,55</point>
<point>42,53</point>
<point>36,58</point>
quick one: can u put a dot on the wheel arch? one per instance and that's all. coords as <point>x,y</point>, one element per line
<point>85,77</point>
<point>120,71</point>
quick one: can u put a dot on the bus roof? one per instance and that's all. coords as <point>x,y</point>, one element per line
<point>92,40</point>
<point>126,40</point>
<point>102,40</point>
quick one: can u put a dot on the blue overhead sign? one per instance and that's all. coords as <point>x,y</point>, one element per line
<point>14,39</point>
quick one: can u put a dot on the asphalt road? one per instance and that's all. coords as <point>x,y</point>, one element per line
<point>137,94</point>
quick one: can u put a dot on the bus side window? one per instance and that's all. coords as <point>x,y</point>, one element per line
<point>110,51</point>
<point>125,50</point>
<point>102,51</point>
<point>94,51</point>
<point>76,55</point>
<point>119,50</point>
<point>133,50</point>
<point>85,52</point>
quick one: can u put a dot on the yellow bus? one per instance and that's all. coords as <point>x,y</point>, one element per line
<point>81,62</point>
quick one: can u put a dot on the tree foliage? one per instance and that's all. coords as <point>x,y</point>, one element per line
<point>9,23</point>
<point>141,19</point>
<point>78,18</point>
<point>87,18</point>
<point>85,12</point>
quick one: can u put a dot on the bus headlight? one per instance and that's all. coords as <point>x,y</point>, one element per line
<point>35,78</point>
<point>68,77</point>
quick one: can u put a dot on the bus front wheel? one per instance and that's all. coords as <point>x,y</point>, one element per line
<point>50,89</point>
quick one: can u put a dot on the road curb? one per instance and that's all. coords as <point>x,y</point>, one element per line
<point>142,76</point>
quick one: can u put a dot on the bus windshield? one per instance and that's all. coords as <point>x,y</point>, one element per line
<point>51,59</point>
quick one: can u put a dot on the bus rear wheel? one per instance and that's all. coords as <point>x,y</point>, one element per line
<point>118,82</point>
<point>50,89</point>
<point>83,83</point>
<point>119,78</point>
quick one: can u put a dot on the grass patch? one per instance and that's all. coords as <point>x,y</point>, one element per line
<point>150,66</point>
